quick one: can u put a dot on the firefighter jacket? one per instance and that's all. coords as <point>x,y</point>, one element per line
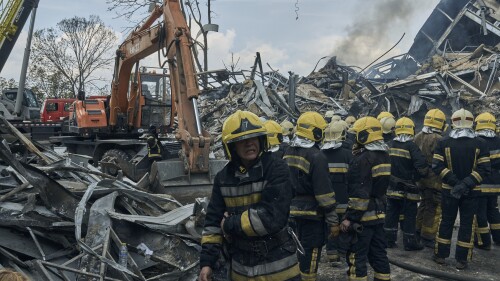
<point>491,183</point>
<point>338,164</point>
<point>257,201</point>
<point>281,151</point>
<point>407,166</point>
<point>368,179</point>
<point>314,195</point>
<point>388,137</point>
<point>426,142</point>
<point>461,160</point>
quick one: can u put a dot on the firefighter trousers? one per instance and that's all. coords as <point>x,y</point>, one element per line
<point>429,213</point>
<point>450,206</point>
<point>487,212</point>
<point>395,208</point>
<point>370,247</point>
<point>311,234</point>
<point>334,249</point>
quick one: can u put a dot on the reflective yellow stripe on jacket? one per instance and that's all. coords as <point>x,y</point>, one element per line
<point>397,152</point>
<point>381,170</point>
<point>298,162</point>
<point>338,167</point>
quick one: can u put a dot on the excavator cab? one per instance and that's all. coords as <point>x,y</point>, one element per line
<point>156,102</point>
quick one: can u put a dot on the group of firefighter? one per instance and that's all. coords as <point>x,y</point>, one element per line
<point>288,190</point>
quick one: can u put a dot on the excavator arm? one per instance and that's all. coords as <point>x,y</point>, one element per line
<point>174,35</point>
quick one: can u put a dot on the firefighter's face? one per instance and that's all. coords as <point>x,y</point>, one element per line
<point>248,150</point>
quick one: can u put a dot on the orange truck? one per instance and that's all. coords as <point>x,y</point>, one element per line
<point>56,110</point>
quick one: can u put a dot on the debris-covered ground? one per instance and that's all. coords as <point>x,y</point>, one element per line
<point>64,220</point>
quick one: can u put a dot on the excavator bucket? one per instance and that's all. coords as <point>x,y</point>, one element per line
<point>168,176</point>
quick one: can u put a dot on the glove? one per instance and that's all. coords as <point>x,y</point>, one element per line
<point>459,190</point>
<point>334,231</point>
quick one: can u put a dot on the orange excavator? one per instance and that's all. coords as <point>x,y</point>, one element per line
<point>114,126</point>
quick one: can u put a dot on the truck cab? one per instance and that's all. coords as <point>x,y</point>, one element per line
<point>56,110</point>
<point>30,107</point>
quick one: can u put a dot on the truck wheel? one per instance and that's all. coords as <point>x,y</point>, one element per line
<point>117,156</point>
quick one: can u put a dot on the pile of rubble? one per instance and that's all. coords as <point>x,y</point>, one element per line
<point>439,71</point>
<point>61,220</point>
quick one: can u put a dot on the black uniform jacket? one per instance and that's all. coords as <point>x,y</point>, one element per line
<point>491,184</point>
<point>338,164</point>
<point>408,165</point>
<point>314,195</point>
<point>464,160</point>
<point>257,200</point>
<point>368,178</point>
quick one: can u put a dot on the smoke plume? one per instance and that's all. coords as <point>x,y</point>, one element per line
<point>369,36</point>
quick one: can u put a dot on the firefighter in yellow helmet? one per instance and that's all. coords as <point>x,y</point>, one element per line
<point>338,153</point>
<point>274,137</point>
<point>313,207</point>
<point>368,179</point>
<point>490,187</point>
<point>249,208</point>
<point>407,166</point>
<point>462,161</point>
<point>429,209</point>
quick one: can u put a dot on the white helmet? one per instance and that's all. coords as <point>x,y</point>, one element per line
<point>462,119</point>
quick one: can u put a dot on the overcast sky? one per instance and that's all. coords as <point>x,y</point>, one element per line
<point>356,31</point>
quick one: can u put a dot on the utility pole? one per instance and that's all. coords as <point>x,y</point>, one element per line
<point>24,69</point>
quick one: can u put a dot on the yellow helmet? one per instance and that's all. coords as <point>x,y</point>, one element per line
<point>274,133</point>
<point>350,120</point>
<point>486,121</point>
<point>435,118</point>
<point>335,132</point>
<point>388,124</point>
<point>287,127</point>
<point>384,114</point>
<point>367,129</point>
<point>242,125</point>
<point>462,119</point>
<point>405,126</point>
<point>311,125</point>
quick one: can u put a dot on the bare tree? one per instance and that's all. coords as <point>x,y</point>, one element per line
<point>72,53</point>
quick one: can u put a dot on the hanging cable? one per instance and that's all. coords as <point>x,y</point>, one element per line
<point>384,53</point>
<point>297,9</point>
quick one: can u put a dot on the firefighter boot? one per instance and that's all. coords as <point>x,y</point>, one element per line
<point>410,243</point>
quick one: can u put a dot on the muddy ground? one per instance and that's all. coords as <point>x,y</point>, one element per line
<point>485,265</point>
